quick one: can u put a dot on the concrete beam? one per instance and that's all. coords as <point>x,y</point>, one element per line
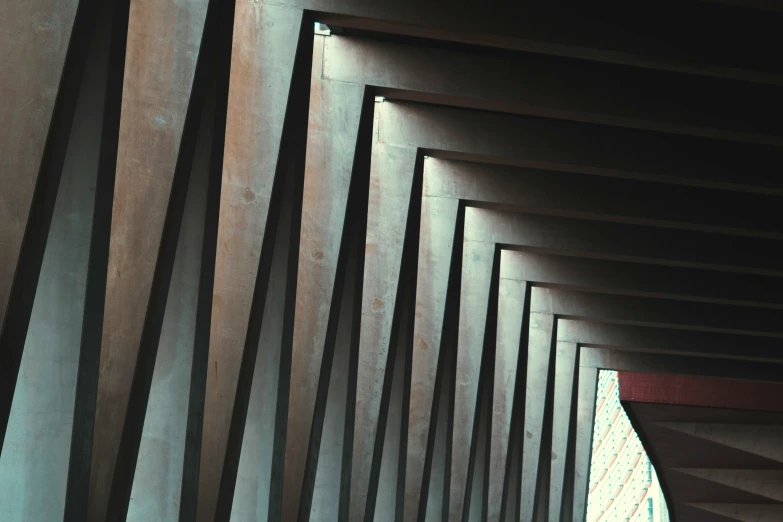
<point>562,31</point>
<point>645,280</point>
<point>630,361</point>
<point>596,198</point>
<point>621,242</point>
<point>584,149</point>
<point>760,440</point>
<point>537,85</point>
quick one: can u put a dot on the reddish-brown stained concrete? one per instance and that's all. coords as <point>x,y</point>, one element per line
<point>160,66</point>
<point>31,71</point>
<point>261,70</point>
<point>700,391</point>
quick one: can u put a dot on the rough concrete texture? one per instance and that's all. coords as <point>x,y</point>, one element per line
<point>36,448</point>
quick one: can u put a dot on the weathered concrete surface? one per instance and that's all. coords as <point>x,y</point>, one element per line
<point>743,512</point>
<point>552,87</point>
<point>262,67</point>
<point>621,242</point>
<point>391,479</point>
<point>646,280</point>
<point>476,510</point>
<point>438,234</point>
<point>155,97</point>
<point>566,367</point>
<point>664,313</point>
<point>630,361</point>
<point>541,191</point>
<point>660,340</point>
<point>585,149</point>
<point>760,440</point>
<point>767,483</point>
<point>541,345</point>
<point>34,456</point>
<point>436,480</point>
<point>261,454</point>
<point>391,188</point>
<point>478,260</point>
<point>34,38</point>
<point>588,381</point>
<point>511,346</point>
<point>330,493</point>
<point>155,495</point>
<point>333,131</point>
<point>563,31</point>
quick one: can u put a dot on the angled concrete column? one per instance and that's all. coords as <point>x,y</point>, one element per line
<point>260,458</point>
<point>435,489</point>
<point>540,374</point>
<point>32,67</point>
<point>440,244</point>
<point>476,327</point>
<point>34,457</point>
<point>477,506</point>
<point>158,132</point>
<point>765,483</point>
<point>45,49</point>
<point>390,264</point>
<point>390,487</point>
<point>566,373</point>
<point>260,211</point>
<point>159,469</point>
<point>510,374</point>
<point>588,380</point>
<point>335,192</point>
<point>329,497</point>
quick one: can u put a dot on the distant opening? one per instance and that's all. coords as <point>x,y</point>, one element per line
<point>623,484</point>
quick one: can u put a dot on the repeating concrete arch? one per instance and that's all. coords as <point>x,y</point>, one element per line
<point>372,275</point>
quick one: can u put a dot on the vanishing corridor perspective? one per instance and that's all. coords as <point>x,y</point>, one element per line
<point>342,260</point>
